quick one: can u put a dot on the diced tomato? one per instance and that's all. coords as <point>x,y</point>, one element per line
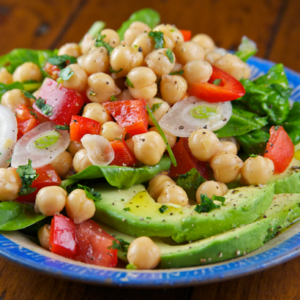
<point>123,155</point>
<point>65,102</point>
<point>186,161</point>
<point>52,70</point>
<point>94,245</point>
<point>280,149</point>
<point>130,114</point>
<point>26,121</point>
<point>228,89</point>
<point>187,34</point>
<point>47,177</point>
<point>81,126</point>
<point>62,236</point>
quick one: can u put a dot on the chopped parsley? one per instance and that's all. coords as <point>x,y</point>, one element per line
<point>92,93</point>
<point>253,155</point>
<point>163,208</point>
<point>8,161</point>
<point>113,98</point>
<point>206,205</point>
<point>129,83</point>
<point>28,95</point>
<point>219,198</point>
<point>65,74</point>
<point>126,209</point>
<point>122,245</point>
<point>170,55</point>
<point>44,107</point>
<point>27,175</point>
<point>156,106</point>
<point>99,42</point>
<point>90,192</point>
<point>61,61</point>
<point>149,218</point>
<point>217,81</point>
<point>118,139</point>
<point>113,71</point>
<point>62,127</point>
<point>131,267</point>
<point>33,113</point>
<point>176,73</point>
<point>158,37</point>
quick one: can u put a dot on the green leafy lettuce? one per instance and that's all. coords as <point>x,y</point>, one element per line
<point>190,182</point>
<point>292,124</point>
<point>120,177</point>
<point>147,16</point>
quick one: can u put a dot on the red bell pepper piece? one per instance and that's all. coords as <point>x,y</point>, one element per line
<point>186,161</point>
<point>26,121</point>
<point>130,114</point>
<point>280,149</point>
<point>81,126</point>
<point>123,155</point>
<point>65,102</point>
<point>62,236</point>
<point>47,177</point>
<point>52,70</point>
<point>94,245</point>
<point>228,89</point>
<point>187,34</point>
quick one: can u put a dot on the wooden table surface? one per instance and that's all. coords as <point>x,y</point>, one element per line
<point>273,24</point>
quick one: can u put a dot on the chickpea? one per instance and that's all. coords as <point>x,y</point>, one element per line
<point>197,71</point>
<point>10,184</point>
<point>144,41</point>
<point>233,65</point>
<point>232,140</point>
<point>188,51</point>
<point>134,30</point>
<point>204,144</point>
<point>160,111</point>
<point>226,166</point>
<point>97,60</point>
<point>87,43</point>
<point>62,163</point>
<point>211,188</point>
<point>101,87</point>
<point>157,184</point>
<point>13,98</point>
<point>71,49</point>
<point>50,200</point>
<point>124,95</point>
<point>44,236</point>
<point>173,194</point>
<point>27,71</point>
<point>171,32</point>
<point>78,80</point>
<point>159,62</point>
<point>169,136</point>
<point>130,144</point>
<point>205,41</point>
<point>229,147</point>
<point>81,161</point>
<point>212,56</point>
<point>111,130</point>
<point>143,80</point>
<point>173,88</point>
<point>5,76</point>
<point>79,207</point>
<point>149,147</point>
<point>125,58</point>
<point>257,170</point>
<point>74,147</point>
<point>111,37</point>
<point>143,253</point>
<point>97,112</point>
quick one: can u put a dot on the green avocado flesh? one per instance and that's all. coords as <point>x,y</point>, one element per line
<point>284,209</point>
<point>134,212</point>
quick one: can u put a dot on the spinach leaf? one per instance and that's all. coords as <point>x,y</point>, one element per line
<point>120,177</point>
<point>7,87</point>
<point>147,15</point>
<point>292,124</point>
<point>268,95</point>
<point>17,57</point>
<point>190,182</point>
<point>241,122</point>
<point>15,216</point>
<point>254,142</point>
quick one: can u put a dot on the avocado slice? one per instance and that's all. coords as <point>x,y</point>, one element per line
<point>134,212</point>
<point>284,210</point>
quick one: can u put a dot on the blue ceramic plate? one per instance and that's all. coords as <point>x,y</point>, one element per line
<point>19,249</point>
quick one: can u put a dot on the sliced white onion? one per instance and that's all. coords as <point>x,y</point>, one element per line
<point>181,123</point>
<point>40,155</point>
<point>99,150</point>
<point>8,135</point>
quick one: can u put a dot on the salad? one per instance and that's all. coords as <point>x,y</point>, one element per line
<point>147,146</point>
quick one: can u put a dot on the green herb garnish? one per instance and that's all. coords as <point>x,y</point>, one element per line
<point>27,175</point>
<point>158,37</point>
<point>28,95</point>
<point>131,267</point>
<point>44,107</point>
<point>99,42</point>
<point>121,246</point>
<point>65,74</point>
<point>163,208</point>
<point>62,127</point>
<point>176,73</point>
<point>33,113</point>
<point>170,55</point>
<point>206,205</point>
<point>217,81</point>
<point>113,71</point>
<point>129,83</point>
<point>90,192</point>
<point>253,155</point>
<point>219,198</point>
<point>113,98</point>
<point>156,106</point>
<point>126,209</point>
<point>61,61</point>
